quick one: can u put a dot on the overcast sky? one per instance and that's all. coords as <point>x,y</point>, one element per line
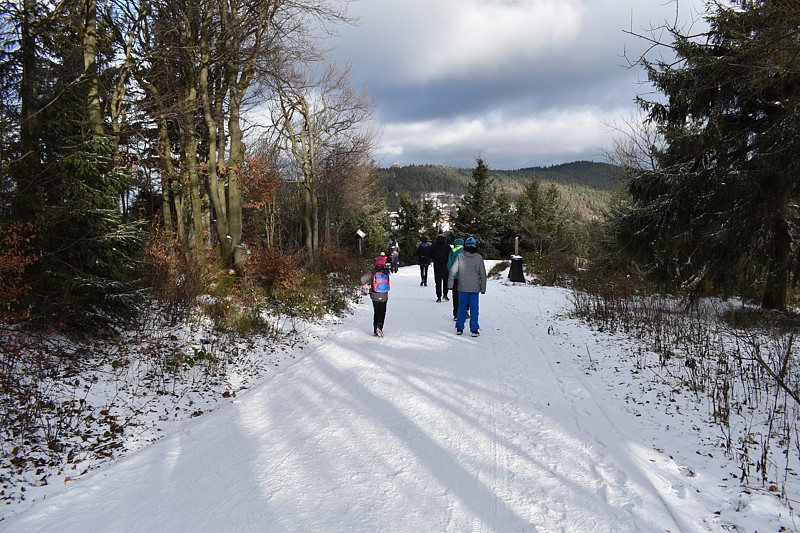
<point>521,83</point>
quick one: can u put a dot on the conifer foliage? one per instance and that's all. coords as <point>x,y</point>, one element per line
<point>484,213</point>
<point>541,219</point>
<point>67,181</point>
<point>719,207</point>
<point>415,218</point>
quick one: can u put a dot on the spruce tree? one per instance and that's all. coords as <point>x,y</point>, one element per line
<point>718,207</point>
<point>415,218</point>
<point>70,187</point>
<point>541,218</point>
<point>483,213</point>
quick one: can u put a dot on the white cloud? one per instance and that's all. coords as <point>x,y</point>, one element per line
<point>529,81</point>
<point>424,41</point>
<point>474,37</point>
<point>505,142</point>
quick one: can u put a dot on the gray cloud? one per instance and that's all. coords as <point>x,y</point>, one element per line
<point>522,83</point>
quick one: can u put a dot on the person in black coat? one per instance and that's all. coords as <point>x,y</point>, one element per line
<point>440,251</point>
<point>423,254</point>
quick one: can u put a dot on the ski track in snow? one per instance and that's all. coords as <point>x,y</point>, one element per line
<point>422,430</point>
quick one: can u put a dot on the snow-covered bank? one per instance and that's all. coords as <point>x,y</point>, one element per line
<point>537,425</point>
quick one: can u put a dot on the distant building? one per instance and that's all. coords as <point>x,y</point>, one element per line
<point>396,164</point>
<point>444,202</point>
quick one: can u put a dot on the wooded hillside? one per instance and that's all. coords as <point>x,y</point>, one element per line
<point>584,181</point>
<point>419,179</point>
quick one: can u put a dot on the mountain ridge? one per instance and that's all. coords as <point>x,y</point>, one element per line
<point>417,180</point>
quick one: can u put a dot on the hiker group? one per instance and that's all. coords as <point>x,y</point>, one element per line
<point>458,269</point>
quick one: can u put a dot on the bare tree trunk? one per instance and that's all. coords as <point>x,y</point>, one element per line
<point>311,203</point>
<point>182,201</point>
<point>216,186</point>
<point>315,220</point>
<point>116,108</point>
<point>775,289</point>
<point>190,143</point>
<point>270,224</point>
<point>90,69</point>
<point>234,166</point>
<point>307,221</point>
<point>167,172</point>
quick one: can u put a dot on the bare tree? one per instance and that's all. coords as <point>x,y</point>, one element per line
<point>207,61</point>
<point>314,117</point>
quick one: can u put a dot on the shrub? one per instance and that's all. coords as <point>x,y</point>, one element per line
<point>743,361</point>
<point>338,259</point>
<point>554,268</point>
<point>15,257</point>
<point>176,280</point>
<point>274,269</point>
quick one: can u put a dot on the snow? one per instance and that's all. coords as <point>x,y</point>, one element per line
<point>536,425</point>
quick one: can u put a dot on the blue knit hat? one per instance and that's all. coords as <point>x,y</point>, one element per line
<point>471,242</point>
<point>459,242</point>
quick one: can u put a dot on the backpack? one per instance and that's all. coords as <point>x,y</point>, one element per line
<point>380,281</point>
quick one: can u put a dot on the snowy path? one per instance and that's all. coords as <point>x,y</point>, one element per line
<point>420,431</point>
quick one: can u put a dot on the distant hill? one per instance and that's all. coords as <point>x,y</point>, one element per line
<point>419,179</point>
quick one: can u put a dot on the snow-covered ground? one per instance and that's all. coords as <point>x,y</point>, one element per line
<point>536,425</point>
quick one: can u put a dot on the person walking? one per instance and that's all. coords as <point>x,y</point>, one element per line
<point>395,251</point>
<point>423,254</point>
<point>440,251</point>
<point>458,248</point>
<point>376,284</point>
<point>471,284</point>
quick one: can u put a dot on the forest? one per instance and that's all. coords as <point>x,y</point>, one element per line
<point>163,161</point>
<point>419,179</point>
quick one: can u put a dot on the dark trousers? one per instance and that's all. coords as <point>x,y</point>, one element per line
<point>440,274</point>
<point>423,272</point>
<point>454,297</point>
<point>378,315</point>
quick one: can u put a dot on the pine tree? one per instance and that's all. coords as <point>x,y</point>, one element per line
<point>86,278</point>
<point>415,218</point>
<point>718,207</point>
<point>68,184</point>
<point>484,213</point>
<point>541,219</point>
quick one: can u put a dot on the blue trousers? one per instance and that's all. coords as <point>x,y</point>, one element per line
<point>468,300</point>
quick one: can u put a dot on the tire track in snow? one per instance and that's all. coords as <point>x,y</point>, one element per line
<point>605,465</point>
<point>549,511</point>
<point>595,468</point>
